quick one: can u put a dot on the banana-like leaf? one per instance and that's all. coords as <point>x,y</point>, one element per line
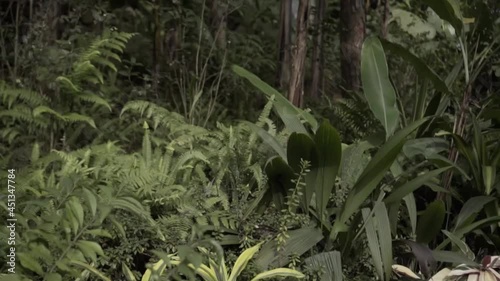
<point>328,155</point>
<point>331,261</point>
<point>399,192</point>
<point>372,175</point>
<point>377,86</point>
<point>378,232</point>
<point>431,222</point>
<point>268,139</point>
<point>286,110</point>
<point>448,10</point>
<point>460,244</point>
<point>128,273</point>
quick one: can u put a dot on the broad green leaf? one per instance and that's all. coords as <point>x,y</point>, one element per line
<point>399,192</point>
<point>299,241</point>
<point>411,206</point>
<point>372,175</point>
<point>301,146</point>
<point>243,260</point>
<point>473,206</point>
<point>422,69</point>
<point>431,221</point>
<point>377,86</point>
<point>77,209</point>
<point>279,272</point>
<point>286,110</point>
<point>268,139</point>
<point>328,155</point>
<point>331,261</point>
<point>427,147</point>
<point>378,233</point>
<point>90,249</point>
<point>448,10</point>
<point>460,244</point>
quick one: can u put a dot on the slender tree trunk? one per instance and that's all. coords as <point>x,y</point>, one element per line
<point>284,44</point>
<point>352,34</point>
<point>317,55</point>
<point>157,47</point>
<point>295,90</point>
<point>219,9</point>
<point>385,18</point>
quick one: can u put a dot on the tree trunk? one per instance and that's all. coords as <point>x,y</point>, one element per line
<point>352,34</point>
<point>317,55</point>
<point>219,22</point>
<point>295,90</point>
<point>284,44</point>
<point>157,47</point>
<point>385,18</point>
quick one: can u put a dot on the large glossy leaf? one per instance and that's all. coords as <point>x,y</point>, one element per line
<point>279,272</point>
<point>431,222</point>
<point>411,206</point>
<point>473,206</point>
<point>267,139</point>
<point>302,147</point>
<point>332,263</point>
<point>422,69</point>
<point>460,244</point>
<point>299,241</point>
<point>399,192</point>
<point>372,175</point>
<point>425,146</point>
<point>280,177</point>
<point>377,86</point>
<point>378,233</point>
<point>448,10</point>
<point>328,155</point>
<point>286,110</point>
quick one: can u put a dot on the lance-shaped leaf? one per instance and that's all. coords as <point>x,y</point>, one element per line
<point>302,147</point>
<point>422,69</point>
<point>448,10</point>
<point>431,221</point>
<point>280,177</point>
<point>377,86</point>
<point>328,155</point>
<point>286,110</point>
<point>372,175</point>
